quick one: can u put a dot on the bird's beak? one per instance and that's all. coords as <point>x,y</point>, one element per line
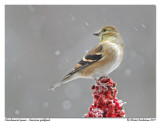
<point>97,34</point>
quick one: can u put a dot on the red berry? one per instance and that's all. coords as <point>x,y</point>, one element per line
<point>97,87</point>
<point>113,115</point>
<point>105,102</point>
<point>110,106</point>
<point>90,109</point>
<point>120,107</point>
<point>117,104</point>
<point>96,96</point>
<point>93,87</point>
<point>115,99</point>
<point>121,113</point>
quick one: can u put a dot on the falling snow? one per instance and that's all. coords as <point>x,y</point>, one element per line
<point>143,25</point>
<point>73,18</point>
<point>57,52</point>
<point>66,104</point>
<point>86,51</point>
<point>17,112</point>
<point>31,8</point>
<point>86,23</point>
<point>128,72</point>
<point>45,104</point>
<point>104,19</point>
<point>136,29</point>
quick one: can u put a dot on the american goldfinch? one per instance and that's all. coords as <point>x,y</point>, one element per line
<point>101,60</point>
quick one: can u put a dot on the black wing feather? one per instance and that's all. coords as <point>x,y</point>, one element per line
<point>84,64</point>
<point>93,57</point>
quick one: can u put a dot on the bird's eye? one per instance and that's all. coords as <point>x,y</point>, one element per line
<point>104,30</point>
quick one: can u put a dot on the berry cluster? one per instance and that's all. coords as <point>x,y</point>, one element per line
<point>105,103</point>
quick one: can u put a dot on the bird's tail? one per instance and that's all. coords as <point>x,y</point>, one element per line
<point>56,85</point>
<point>66,79</point>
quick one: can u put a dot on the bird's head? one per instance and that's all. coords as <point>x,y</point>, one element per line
<point>109,33</point>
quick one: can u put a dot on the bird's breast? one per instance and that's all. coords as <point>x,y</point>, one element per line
<point>115,54</point>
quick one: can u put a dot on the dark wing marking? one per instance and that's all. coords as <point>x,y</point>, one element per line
<point>93,57</point>
<point>86,63</point>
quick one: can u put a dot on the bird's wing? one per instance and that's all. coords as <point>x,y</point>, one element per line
<point>93,56</point>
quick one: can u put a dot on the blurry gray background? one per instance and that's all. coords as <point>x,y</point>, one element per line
<point>43,43</point>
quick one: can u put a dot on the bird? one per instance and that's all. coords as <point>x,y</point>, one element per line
<point>101,60</point>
